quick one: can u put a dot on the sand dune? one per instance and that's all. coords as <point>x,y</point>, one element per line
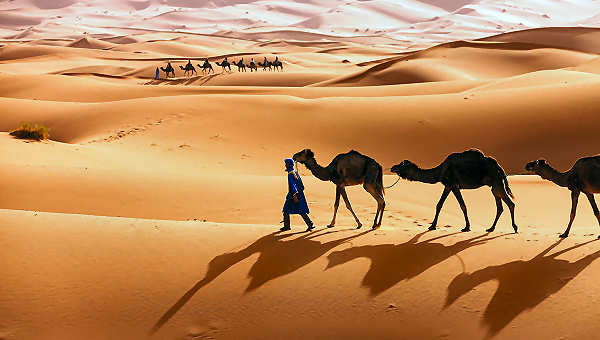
<point>574,38</point>
<point>87,42</point>
<point>464,61</point>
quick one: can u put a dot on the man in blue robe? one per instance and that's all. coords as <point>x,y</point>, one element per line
<point>295,202</point>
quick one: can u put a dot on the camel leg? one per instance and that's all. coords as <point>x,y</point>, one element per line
<point>499,210</point>
<point>438,207</point>
<point>382,203</point>
<point>594,207</point>
<point>338,192</point>
<point>463,207</point>
<point>511,208</point>
<point>378,196</point>
<point>349,206</point>
<point>574,199</point>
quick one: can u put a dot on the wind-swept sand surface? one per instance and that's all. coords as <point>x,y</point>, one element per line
<point>152,209</point>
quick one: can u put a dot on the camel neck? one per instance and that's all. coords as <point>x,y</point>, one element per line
<point>425,175</point>
<point>559,178</point>
<point>317,170</point>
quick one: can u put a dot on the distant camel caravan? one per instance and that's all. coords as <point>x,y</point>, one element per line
<point>206,67</point>
<point>465,170</point>
<point>584,177</point>
<point>349,169</point>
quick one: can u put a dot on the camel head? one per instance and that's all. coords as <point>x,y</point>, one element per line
<point>535,166</point>
<point>303,156</point>
<point>404,169</point>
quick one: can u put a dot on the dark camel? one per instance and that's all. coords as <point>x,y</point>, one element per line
<point>278,65</point>
<point>206,66</point>
<point>225,65</point>
<point>188,68</point>
<point>168,70</point>
<point>252,66</point>
<point>266,65</point>
<point>240,65</point>
<point>584,177</point>
<point>349,169</point>
<point>465,170</point>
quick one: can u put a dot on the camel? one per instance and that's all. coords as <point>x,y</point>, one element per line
<point>240,65</point>
<point>266,65</point>
<point>168,70</point>
<point>465,170</point>
<point>188,68</point>
<point>252,66</point>
<point>349,169</point>
<point>584,176</point>
<point>277,64</point>
<point>224,64</point>
<point>206,66</point>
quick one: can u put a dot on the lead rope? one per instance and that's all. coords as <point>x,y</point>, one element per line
<point>398,180</point>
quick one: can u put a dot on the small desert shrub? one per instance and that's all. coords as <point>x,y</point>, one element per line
<point>31,131</point>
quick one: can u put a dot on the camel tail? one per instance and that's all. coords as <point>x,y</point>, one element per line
<point>379,180</point>
<point>506,186</point>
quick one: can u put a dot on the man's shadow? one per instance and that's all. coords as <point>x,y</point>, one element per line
<point>522,284</point>
<point>278,256</point>
<point>392,263</point>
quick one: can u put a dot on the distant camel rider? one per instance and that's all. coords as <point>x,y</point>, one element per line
<point>157,73</point>
<point>188,64</point>
<point>265,61</point>
<point>295,202</point>
<point>276,58</point>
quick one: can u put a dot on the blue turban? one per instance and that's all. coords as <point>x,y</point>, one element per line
<point>289,164</point>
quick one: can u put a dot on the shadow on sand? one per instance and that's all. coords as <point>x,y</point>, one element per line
<point>278,257</point>
<point>522,284</point>
<point>392,263</point>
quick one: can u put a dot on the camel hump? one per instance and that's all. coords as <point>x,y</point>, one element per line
<point>468,155</point>
<point>592,159</point>
<point>473,153</point>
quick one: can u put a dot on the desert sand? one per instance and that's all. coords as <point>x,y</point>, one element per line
<point>152,210</point>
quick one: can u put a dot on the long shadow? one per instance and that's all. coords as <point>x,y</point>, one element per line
<point>278,257</point>
<point>522,284</point>
<point>393,263</point>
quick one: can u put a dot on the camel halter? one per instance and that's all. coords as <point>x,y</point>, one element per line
<point>398,180</point>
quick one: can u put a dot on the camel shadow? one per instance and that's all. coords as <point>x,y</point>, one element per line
<point>393,263</point>
<point>522,285</point>
<point>278,256</point>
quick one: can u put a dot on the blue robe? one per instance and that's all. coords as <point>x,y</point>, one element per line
<point>295,186</point>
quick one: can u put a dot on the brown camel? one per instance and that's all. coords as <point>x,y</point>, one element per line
<point>465,170</point>
<point>584,177</point>
<point>349,169</point>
